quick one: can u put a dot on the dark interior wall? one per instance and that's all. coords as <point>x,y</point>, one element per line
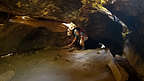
<point>136,41</point>
<point>102,29</point>
<point>24,38</point>
<point>134,50</point>
<point>129,11</point>
<point>3,17</point>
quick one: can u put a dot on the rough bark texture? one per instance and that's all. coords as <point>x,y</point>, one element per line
<point>55,9</point>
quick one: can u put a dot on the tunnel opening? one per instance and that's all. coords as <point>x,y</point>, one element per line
<point>101,29</point>
<point>108,34</point>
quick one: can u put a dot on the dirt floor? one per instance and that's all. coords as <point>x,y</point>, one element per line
<point>57,65</point>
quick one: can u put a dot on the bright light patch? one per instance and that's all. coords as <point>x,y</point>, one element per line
<point>70,25</point>
<point>25,17</point>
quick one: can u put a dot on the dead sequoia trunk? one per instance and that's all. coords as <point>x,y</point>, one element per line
<point>99,27</point>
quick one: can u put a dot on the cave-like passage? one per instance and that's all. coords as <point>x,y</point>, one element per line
<point>80,60</point>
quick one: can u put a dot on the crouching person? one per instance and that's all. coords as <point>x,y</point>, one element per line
<point>80,36</point>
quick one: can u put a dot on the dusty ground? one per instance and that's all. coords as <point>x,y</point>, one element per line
<point>57,65</point>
